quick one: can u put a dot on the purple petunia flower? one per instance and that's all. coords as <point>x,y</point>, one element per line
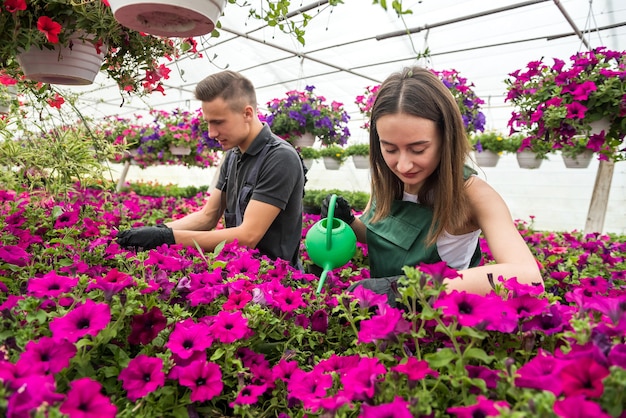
<point>145,327</point>
<point>15,255</point>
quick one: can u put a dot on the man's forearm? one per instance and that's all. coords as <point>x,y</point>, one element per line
<point>207,240</point>
<point>196,221</point>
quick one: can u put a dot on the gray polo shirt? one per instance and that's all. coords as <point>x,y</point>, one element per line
<point>280,182</point>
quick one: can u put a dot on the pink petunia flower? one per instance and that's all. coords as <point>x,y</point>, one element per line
<point>415,369</point>
<point>542,372</point>
<point>386,325</point>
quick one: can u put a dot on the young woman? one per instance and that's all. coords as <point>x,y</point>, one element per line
<point>426,205</point>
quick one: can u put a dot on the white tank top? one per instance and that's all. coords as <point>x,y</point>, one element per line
<point>455,250</point>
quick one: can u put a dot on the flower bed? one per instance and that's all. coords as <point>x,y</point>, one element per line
<point>86,327</point>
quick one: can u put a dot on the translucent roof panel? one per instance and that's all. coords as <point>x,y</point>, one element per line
<point>358,44</point>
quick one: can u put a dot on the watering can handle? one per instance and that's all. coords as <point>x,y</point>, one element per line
<point>330,221</point>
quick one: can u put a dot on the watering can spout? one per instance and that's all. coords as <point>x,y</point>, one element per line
<point>330,243</point>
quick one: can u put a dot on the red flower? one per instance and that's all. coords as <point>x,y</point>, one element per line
<point>50,28</point>
<point>13,6</point>
<point>56,101</point>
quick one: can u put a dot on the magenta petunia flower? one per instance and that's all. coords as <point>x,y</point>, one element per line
<point>617,356</point>
<point>415,369</point>
<point>142,376</point>
<point>85,400</point>
<point>245,264</point>
<point>368,298</point>
<point>50,285</point>
<point>386,325</point>
<point>145,327</point>
<point>15,255</point>
<point>360,382</point>
<point>309,387</point>
<point>66,219</point>
<point>482,408</point>
<point>88,318</point>
<point>249,395</point>
<point>469,309</point>
<point>288,299</point>
<point>399,408</point>
<point>189,337</point>
<point>112,283</point>
<point>490,377</point>
<point>228,327</point>
<point>439,271</point>
<point>237,300</point>
<point>50,354</point>
<point>284,369</point>
<point>34,391</point>
<point>583,376</point>
<point>542,372</point>
<point>578,407</point>
<point>203,378</point>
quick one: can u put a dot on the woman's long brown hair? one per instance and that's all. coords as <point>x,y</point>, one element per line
<point>418,92</point>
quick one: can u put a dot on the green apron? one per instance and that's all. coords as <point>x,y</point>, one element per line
<point>400,239</point>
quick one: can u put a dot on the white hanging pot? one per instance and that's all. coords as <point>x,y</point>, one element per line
<point>487,158</point>
<point>305,140</point>
<point>73,65</point>
<point>182,18</point>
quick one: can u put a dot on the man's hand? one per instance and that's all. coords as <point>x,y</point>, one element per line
<point>146,237</point>
<point>343,210</point>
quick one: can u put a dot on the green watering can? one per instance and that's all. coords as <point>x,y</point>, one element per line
<point>330,243</point>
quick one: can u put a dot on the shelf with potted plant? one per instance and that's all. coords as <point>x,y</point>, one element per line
<point>151,143</point>
<point>85,30</point>
<point>305,112</point>
<point>360,155</point>
<point>334,156</point>
<point>555,103</point>
<point>488,146</point>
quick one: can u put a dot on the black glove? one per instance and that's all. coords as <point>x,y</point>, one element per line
<point>343,210</point>
<point>146,237</point>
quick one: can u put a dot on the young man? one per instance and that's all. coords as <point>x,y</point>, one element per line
<point>260,186</point>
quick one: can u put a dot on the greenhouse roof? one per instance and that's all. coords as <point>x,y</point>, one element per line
<point>357,44</point>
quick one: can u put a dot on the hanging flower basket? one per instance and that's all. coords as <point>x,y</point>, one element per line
<point>178,150</point>
<point>183,19</point>
<point>362,162</point>
<point>579,161</point>
<point>331,163</point>
<point>74,66</point>
<point>528,159</point>
<point>305,140</point>
<point>486,158</point>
